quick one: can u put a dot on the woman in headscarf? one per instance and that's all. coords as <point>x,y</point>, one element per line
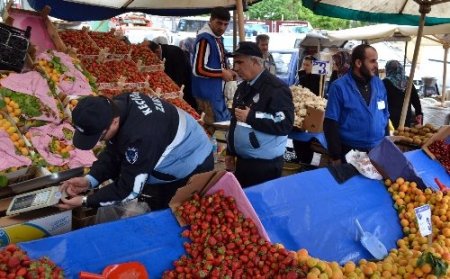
<point>395,83</point>
<point>188,45</point>
<point>341,64</point>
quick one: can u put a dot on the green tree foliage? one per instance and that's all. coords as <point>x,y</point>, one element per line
<point>293,10</point>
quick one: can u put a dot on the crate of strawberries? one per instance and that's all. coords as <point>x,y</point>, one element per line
<point>438,147</point>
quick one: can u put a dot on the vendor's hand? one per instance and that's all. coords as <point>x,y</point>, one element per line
<point>230,163</point>
<point>70,203</point>
<point>419,119</point>
<point>242,114</point>
<point>75,186</point>
<point>228,75</point>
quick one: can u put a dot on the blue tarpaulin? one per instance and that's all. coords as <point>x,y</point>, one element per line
<point>307,210</point>
<point>85,10</point>
<point>306,137</point>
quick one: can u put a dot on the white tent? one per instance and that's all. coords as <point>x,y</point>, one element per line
<point>434,35</point>
<point>375,32</point>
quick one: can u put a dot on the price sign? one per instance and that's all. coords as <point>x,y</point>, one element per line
<point>320,67</point>
<point>423,216</point>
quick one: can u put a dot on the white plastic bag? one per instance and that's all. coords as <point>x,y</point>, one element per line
<point>361,161</point>
<point>120,211</point>
<point>230,89</point>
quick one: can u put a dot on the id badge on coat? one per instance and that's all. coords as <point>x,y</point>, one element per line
<point>381,105</point>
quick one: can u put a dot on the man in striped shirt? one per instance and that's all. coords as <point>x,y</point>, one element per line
<point>210,70</point>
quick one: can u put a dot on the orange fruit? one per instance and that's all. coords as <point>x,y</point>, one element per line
<point>400,180</point>
<point>426,268</point>
<point>302,255</point>
<point>349,267</point>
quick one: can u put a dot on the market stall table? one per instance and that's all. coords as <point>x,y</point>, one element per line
<point>307,210</point>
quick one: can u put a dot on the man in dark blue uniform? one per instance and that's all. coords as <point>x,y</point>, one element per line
<point>357,113</point>
<point>263,115</point>
<point>153,148</point>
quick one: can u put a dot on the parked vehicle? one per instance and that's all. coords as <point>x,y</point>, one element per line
<point>286,62</point>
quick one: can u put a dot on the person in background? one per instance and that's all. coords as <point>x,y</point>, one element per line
<point>341,64</point>
<point>262,41</point>
<point>152,149</point>
<point>306,78</point>
<point>357,115</point>
<point>395,83</point>
<point>210,69</point>
<point>176,66</point>
<point>187,45</point>
<point>262,117</point>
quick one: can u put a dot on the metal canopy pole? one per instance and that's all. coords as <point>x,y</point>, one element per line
<point>240,11</point>
<point>444,79</point>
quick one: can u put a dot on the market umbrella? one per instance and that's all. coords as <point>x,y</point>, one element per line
<point>412,12</point>
<point>84,10</point>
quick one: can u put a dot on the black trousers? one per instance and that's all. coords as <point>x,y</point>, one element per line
<point>303,151</point>
<point>250,172</point>
<point>159,195</point>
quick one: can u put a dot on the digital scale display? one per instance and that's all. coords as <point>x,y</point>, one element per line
<point>34,200</point>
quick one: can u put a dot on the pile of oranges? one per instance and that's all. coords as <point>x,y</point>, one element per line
<point>13,108</point>
<point>52,73</point>
<point>408,260</point>
<point>14,135</point>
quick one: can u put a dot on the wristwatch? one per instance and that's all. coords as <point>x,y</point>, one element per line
<point>84,201</point>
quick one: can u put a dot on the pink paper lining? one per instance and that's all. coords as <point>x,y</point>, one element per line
<point>41,137</point>
<point>32,83</point>
<point>9,158</point>
<point>39,34</point>
<point>231,187</point>
<point>79,86</point>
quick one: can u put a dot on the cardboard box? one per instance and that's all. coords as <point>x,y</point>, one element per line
<point>313,121</point>
<point>442,134</point>
<point>25,173</point>
<point>43,33</point>
<point>211,182</point>
<point>34,225</point>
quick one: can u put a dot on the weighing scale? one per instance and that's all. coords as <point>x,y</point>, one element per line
<point>42,196</point>
<point>34,200</point>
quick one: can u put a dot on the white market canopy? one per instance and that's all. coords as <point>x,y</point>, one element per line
<point>84,10</point>
<point>379,31</point>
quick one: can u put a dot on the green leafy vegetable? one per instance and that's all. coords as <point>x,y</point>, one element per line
<point>30,105</point>
<point>68,134</point>
<point>439,266</point>
<point>57,65</point>
<point>3,181</point>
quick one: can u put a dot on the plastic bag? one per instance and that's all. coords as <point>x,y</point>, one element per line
<point>121,210</point>
<point>387,152</point>
<point>230,89</point>
<point>361,161</point>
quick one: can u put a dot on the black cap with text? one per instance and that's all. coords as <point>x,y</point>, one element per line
<point>90,118</point>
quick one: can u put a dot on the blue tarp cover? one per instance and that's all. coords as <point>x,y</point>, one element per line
<point>75,11</point>
<point>307,210</point>
<point>306,137</point>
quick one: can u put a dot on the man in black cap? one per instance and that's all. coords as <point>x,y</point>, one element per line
<point>262,117</point>
<point>150,143</point>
